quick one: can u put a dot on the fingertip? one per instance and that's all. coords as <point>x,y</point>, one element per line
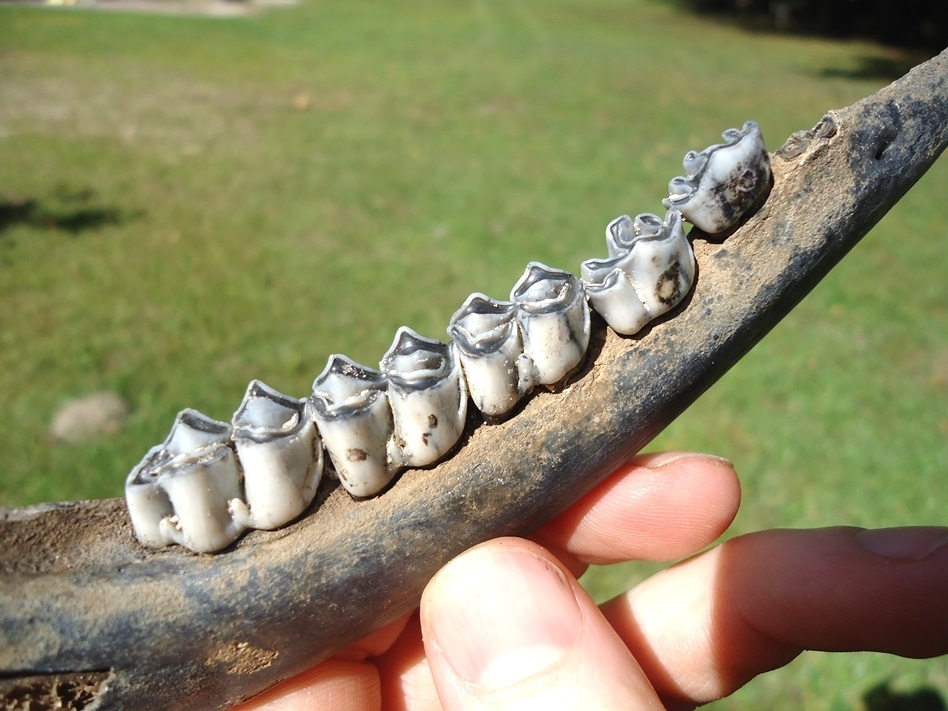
<point>322,686</point>
<point>505,625</point>
<point>658,506</point>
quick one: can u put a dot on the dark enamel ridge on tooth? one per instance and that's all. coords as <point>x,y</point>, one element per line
<point>209,482</point>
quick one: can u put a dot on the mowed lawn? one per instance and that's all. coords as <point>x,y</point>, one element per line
<point>188,203</point>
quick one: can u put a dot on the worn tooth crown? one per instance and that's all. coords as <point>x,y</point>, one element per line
<point>489,346</point>
<point>181,491</point>
<point>723,181</point>
<point>428,396</point>
<point>281,455</point>
<point>647,279</point>
<point>211,480</point>
<point>351,409</point>
<point>554,321</point>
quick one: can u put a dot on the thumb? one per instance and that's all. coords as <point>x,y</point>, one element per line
<point>507,627</point>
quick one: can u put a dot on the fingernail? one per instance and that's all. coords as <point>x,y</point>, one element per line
<point>663,459</point>
<point>499,615</point>
<point>909,543</point>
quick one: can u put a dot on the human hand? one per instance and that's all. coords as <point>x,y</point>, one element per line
<point>506,625</point>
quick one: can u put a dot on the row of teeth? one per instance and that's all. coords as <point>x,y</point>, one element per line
<point>210,481</point>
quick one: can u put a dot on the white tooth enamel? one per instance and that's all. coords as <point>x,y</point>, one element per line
<point>488,340</point>
<point>147,502</point>
<point>615,297</point>
<point>181,490</point>
<point>200,487</point>
<point>624,231</point>
<point>554,321</point>
<point>281,456</point>
<point>350,407</point>
<point>428,397</point>
<point>723,181</point>
<point>649,278</point>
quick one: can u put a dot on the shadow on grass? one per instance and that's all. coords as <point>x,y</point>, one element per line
<point>873,67</point>
<point>70,211</point>
<point>882,698</point>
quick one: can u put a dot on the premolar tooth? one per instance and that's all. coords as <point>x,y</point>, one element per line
<point>554,321</point>
<point>489,345</point>
<point>651,277</point>
<point>723,181</point>
<point>182,490</point>
<point>147,502</point>
<point>350,406</point>
<point>428,396</point>
<point>281,456</point>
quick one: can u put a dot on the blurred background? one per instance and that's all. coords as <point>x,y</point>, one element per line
<point>196,193</point>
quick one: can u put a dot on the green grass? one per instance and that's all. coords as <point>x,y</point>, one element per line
<point>221,200</point>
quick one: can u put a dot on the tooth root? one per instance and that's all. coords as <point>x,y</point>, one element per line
<point>554,321</point>
<point>490,349</point>
<point>351,409</point>
<point>281,456</point>
<point>428,396</point>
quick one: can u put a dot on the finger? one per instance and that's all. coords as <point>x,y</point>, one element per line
<point>406,677</point>
<point>507,627</point>
<point>322,687</point>
<point>655,507</point>
<point>343,676</point>
<point>707,626</point>
<point>376,643</point>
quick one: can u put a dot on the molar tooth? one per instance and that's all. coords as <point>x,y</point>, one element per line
<point>181,491</point>
<point>554,321</point>
<point>281,456</point>
<point>615,296</point>
<point>624,231</point>
<point>491,352</point>
<point>428,396</point>
<point>723,181</point>
<point>350,406</point>
<point>651,277</point>
<point>147,502</point>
